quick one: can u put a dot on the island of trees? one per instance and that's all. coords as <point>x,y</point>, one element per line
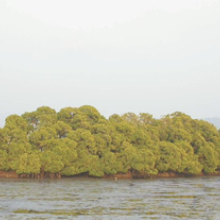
<point>80,141</point>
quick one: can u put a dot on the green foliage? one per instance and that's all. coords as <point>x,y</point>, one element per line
<point>3,160</point>
<point>85,140</point>
<point>208,157</point>
<point>62,129</point>
<point>43,116</point>
<point>140,138</point>
<point>189,161</point>
<point>14,154</point>
<point>29,163</point>
<point>81,141</point>
<point>15,121</point>
<point>102,143</point>
<point>67,149</point>
<point>67,115</point>
<point>109,163</point>
<point>170,157</point>
<point>126,157</point>
<point>40,139</point>
<point>51,162</point>
<point>91,112</point>
<point>145,161</point>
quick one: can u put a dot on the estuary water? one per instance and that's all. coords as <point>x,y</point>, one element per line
<point>85,199</point>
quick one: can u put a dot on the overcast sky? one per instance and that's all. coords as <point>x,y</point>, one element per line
<point>120,56</point>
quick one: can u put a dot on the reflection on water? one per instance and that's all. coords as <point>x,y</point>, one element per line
<point>180,198</point>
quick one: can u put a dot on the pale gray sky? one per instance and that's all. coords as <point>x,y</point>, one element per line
<point>120,56</point>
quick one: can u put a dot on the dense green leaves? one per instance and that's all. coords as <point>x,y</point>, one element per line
<point>81,141</point>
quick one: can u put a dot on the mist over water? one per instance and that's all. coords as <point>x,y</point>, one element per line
<point>177,198</point>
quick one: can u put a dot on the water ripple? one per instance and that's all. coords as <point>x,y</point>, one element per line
<point>181,198</point>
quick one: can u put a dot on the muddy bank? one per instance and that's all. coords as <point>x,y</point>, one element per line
<point>8,174</point>
<point>129,175</point>
<point>13,174</point>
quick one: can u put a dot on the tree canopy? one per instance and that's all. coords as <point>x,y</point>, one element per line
<point>80,140</point>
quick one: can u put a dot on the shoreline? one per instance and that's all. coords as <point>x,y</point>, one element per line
<point>165,175</point>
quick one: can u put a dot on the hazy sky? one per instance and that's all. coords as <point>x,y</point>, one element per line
<point>120,56</point>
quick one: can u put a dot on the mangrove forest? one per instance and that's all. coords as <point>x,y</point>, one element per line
<point>80,141</point>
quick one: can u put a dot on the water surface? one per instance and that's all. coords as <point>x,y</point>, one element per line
<point>91,199</point>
